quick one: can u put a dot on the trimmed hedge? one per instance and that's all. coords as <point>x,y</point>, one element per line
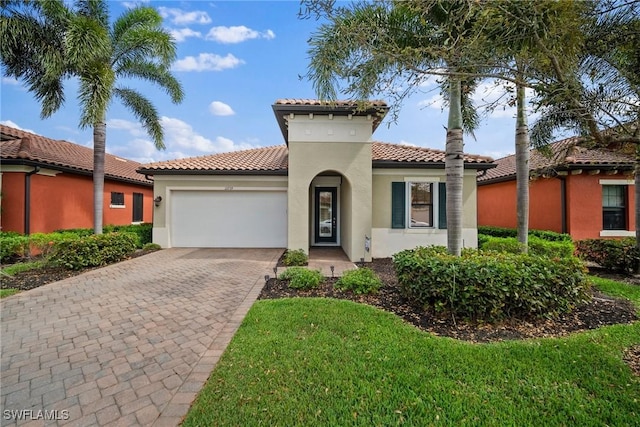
<point>537,246</point>
<point>612,254</point>
<point>491,286</point>
<point>512,232</point>
<point>144,231</point>
<point>94,251</point>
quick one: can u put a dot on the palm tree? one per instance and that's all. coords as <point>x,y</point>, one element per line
<point>44,43</point>
<point>378,48</point>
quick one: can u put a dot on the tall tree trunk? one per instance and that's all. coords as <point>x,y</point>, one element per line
<point>637,204</point>
<point>522,169</point>
<point>99,144</point>
<point>454,168</point>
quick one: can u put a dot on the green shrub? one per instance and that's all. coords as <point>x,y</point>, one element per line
<point>360,281</point>
<point>94,250</point>
<point>295,258</point>
<point>144,231</point>
<point>80,232</point>
<point>491,286</point>
<point>151,247</point>
<point>611,254</point>
<point>512,232</point>
<point>537,246</point>
<point>12,245</point>
<point>302,278</point>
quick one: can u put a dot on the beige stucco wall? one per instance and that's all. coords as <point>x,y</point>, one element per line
<point>339,145</point>
<point>164,185</point>
<point>386,241</point>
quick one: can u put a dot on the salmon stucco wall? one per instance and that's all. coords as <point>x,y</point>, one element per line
<point>497,204</point>
<point>66,201</point>
<point>584,204</point>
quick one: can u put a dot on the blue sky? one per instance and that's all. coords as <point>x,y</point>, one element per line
<point>235,58</point>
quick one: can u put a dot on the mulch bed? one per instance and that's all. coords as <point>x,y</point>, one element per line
<point>602,310</point>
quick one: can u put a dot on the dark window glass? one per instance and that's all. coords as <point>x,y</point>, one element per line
<point>614,210</point>
<point>117,199</point>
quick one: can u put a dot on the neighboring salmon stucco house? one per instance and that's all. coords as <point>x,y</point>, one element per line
<point>330,185</point>
<point>47,185</point>
<point>585,192</point>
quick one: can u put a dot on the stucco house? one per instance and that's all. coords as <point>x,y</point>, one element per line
<point>47,185</point>
<point>585,192</point>
<point>329,185</point>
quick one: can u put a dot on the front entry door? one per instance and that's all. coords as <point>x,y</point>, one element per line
<point>326,215</point>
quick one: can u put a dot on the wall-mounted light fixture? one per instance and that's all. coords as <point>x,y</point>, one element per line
<point>157,200</point>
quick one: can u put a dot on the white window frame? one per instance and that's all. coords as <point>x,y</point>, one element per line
<point>434,202</point>
<point>617,233</point>
<point>124,198</point>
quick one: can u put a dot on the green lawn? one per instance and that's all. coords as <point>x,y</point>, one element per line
<point>329,362</point>
<point>7,292</point>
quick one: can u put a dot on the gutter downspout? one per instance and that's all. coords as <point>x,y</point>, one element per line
<point>563,202</point>
<point>27,199</point>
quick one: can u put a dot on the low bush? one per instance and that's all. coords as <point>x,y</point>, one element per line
<point>360,281</point>
<point>144,231</point>
<point>151,247</point>
<point>302,278</point>
<point>611,254</point>
<point>537,246</point>
<point>12,245</point>
<point>94,250</point>
<point>512,232</point>
<point>295,257</point>
<point>491,286</point>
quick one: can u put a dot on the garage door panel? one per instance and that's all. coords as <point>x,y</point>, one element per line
<point>228,219</point>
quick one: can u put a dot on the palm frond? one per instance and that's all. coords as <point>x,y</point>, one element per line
<point>155,73</point>
<point>144,111</point>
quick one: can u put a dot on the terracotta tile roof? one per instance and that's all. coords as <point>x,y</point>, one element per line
<point>563,155</point>
<point>317,102</point>
<point>275,160</point>
<point>267,159</point>
<point>385,152</point>
<point>18,146</point>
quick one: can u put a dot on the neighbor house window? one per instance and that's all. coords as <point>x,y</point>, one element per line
<point>138,212</point>
<point>418,205</point>
<point>421,210</point>
<point>614,207</point>
<point>117,199</point>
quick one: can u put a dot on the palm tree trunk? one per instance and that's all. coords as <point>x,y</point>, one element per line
<point>637,205</point>
<point>99,144</point>
<point>522,169</point>
<point>454,168</point>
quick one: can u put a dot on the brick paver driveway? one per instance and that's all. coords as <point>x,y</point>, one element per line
<point>128,344</point>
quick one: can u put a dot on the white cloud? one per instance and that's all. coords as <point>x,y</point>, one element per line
<point>181,17</point>
<point>132,4</point>
<point>207,62</point>
<point>182,34</point>
<point>237,34</point>
<point>407,143</point>
<point>134,128</point>
<point>15,126</point>
<point>180,139</point>
<point>11,81</point>
<point>218,108</point>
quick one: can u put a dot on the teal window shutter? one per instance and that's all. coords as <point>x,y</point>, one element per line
<point>398,215</point>
<point>442,205</point>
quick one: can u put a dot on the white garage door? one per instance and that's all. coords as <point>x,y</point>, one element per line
<point>229,219</point>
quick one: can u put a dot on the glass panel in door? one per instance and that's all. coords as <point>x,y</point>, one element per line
<point>326,215</point>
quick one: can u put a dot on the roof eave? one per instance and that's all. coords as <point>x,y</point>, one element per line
<point>391,164</point>
<point>152,172</point>
<point>565,168</point>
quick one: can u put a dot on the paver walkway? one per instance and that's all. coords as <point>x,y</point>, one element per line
<point>128,344</point>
